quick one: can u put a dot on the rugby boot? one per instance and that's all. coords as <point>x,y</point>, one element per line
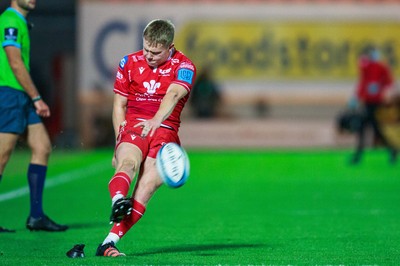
<point>120,209</point>
<point>108,250</point>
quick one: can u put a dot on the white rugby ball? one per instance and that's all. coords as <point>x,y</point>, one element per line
<point>173,165</point>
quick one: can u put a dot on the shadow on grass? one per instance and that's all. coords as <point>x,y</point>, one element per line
<point>198,248</point>
<point>87,225</point>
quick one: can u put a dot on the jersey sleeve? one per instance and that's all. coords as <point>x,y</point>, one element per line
<point>185,75</point>
<point>11,34</point>
<point>122,79</point>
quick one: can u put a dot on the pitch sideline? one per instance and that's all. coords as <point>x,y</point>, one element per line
<point>53,181</point>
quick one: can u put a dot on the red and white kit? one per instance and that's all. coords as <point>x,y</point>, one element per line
<point>145,88</point>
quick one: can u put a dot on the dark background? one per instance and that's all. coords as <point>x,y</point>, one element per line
<point>52,37</point>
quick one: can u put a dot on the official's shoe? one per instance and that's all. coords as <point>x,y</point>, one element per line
<point>120,209</point>
<point>108,250</point>
<point>44,223</point>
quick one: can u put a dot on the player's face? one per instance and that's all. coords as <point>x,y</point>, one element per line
<point>156,54</point>
<point>27,5</point>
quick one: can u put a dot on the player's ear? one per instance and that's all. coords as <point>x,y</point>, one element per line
<point>172,46</point>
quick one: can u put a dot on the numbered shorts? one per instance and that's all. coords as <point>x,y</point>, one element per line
<point>148,145</point>
<point>16,111</point>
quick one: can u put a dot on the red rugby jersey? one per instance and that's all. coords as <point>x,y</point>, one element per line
<point>375,78</point>
<point>145,86</point>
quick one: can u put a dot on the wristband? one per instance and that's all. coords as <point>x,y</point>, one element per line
<point>37,98</point>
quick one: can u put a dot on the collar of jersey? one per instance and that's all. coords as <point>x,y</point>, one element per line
<point>17,12</point>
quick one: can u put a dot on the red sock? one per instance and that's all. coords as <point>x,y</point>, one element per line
<point>123,227</point>
<point>119,184</point>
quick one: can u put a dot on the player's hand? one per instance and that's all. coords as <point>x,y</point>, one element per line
<point>42,109</point>
<point>149,127</point>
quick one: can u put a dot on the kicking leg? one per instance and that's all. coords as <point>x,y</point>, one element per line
<point>128,159</point>
<point>146,186</point>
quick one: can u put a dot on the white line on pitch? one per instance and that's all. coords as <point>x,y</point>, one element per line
<point>58,180</point>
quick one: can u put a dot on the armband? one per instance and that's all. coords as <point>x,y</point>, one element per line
<point>37,98</point>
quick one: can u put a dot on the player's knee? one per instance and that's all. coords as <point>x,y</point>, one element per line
<point>42,150</point>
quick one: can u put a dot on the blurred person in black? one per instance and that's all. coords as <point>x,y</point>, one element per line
<point>373,91</point>
<point>205,96</point>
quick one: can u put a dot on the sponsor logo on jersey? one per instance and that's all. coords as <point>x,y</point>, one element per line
<point>174,61</point>
<point>185,75</point>
<point>10,34</point>
<point>120,77</point>
<point>141,69</point>
<point>123,62</point>
<point>151,86</point>
<point>187,65</point>
<point>165,72</point>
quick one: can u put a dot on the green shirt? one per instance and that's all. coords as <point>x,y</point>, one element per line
<point>13,32</point>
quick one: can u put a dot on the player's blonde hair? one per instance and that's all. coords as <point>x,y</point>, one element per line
<point>159,31</point>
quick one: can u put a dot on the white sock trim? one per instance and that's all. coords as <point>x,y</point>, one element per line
<point>111,238</point>
<point>115,198</point>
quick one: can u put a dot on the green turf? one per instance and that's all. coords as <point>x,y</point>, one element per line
<point>238,208</point>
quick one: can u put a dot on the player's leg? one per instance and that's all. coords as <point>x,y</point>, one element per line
<point>150,180</point>
<point>379,133</point>
<point>146,186</point>
<point>128,158</point>
<point>40,145</point>
<point>148,183</point>
<point>127,161</point>
<point>360,134</point>
<point>39,142</point>
<point>11,126</point>
<point>11,123</point>
<point>7,144</point>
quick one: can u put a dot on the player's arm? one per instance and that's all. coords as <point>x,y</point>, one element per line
<point>24,78</point>
<point>174,93</point>
<point>119,110</point>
